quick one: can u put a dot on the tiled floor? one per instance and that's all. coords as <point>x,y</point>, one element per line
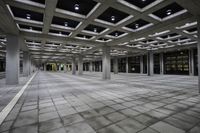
<point>129,103</point>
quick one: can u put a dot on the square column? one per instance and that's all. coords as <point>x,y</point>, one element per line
<point>73,65</point>
<point>150,63</point>
<point>80,65</point>
<point>65,67</point>
<point>90,66</point>
<point>115,65</point>
<point>106,63</point>
<point>141,64</point>
<point>12,60</point>
<point>59,68</point>
<point>45,67</point>
<point>161,64</point>
<point>25,63</point>
<point>191,62</point>
<point>126,64</point>
<point>198,50</point>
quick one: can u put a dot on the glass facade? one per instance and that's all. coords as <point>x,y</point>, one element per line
<point>176,62</point>
<point>122,65</point>
<point>134,64</point>
<point>156,61</point>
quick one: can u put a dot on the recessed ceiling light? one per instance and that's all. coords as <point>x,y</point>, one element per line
<point>95,30</point>
<point>113,18</point>
<point>143,0</point>
<point>169,12</point>
<point>66,24</point>
<point>76,7</point>
<point>28,16</point>
<point>136,26</point>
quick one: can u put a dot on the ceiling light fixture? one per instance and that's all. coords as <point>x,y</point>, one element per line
<point>76,7</point>
<point>113,18</point>
<point>66,24</point>
<point>136,26</point>
<point>116,34</point>
<point>28,16</point>
<point>169,12</point>
<point>143,0</point>
<point>95,30</point>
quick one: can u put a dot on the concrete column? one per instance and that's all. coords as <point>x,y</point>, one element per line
<point>100,67</point>
<point>45,67</point>
<point>106,63</point>
<point>126,64</point>
<point>73,65</point>
<point>141,64</point>
<point>65,67</point>
<point>25,63</point>
<point>191,62</point>
<point>198,50</point>
<point>90,66</point>
<point>161,64</point>
<point>150,63</point>
<point>80,65</point>
<point>12,59</point>
<point>115,65</point>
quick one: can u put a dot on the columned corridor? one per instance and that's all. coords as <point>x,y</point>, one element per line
<point>61,102</point>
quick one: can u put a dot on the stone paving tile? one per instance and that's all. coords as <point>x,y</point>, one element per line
<point>130,125</point>
<point>71,119</point>
<point>26,118</point>
<point>195,129</point>
<point>98,122</point>
<point>111,129</point>
<point>146,120</point>
<point>163,127</point>
<point>148,130</point>
<point>48,116</point>
<point>26,129</point>
<point>79,127</point>
<point>115,117</point>
<point>59,130</point>
<point>89,113</point>
<point>130,112</point>
<point>6,126</point>
<point>50,125</point>
<point>179,124</point>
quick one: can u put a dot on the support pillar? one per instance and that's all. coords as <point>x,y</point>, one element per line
<point>45,67</point>
<point>73,65</point>
<point>106,63</point>
<point>115,65</point>
<point>191,62</point>
<point>150,63</point>
<point>141,64</point>
<point>90,66</point>
<point>65,67</point>
<point>25,63</point>
<point>12,60</point>
<point>126,64</point>
<point>198,50</point>
<point>100,67</point>
<point>80,65</point>
<point>161,64</point>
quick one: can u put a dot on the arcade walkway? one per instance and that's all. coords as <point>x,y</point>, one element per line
<point>128,103</point>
